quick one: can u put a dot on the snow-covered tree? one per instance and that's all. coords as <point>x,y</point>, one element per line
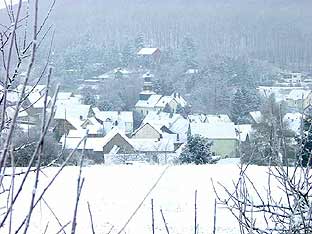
<point>189,53</point>
<point>197,151</point>
<point>270,142</point>
<point>127,55</point>
<point>243,102</point>
<point>305,154</point>
<point>139,42</point>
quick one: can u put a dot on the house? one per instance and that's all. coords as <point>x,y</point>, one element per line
<point>148,105</point>
<point>153,147</point>
<point>116,73</point>
<point>149,56</point>
<point>293,78</point>
<point>150,101</point>
<point>70,117</point>
<point>255,117</point>
<point>222,135</point>
<point>176,123</point>
<point>68,98</point>
<point>23,120</point>
<point>166,102</point>
<point>153,131</point>
<point>35,100</point>
<point>280,92</point>
<point>299,99</point>
<point>113,143</point>
<point>156,102</point>
<point>123,120</point>
<point>293,121</point>
<point>203,118</point>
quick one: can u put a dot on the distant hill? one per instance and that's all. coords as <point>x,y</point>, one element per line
<point>276,30</point>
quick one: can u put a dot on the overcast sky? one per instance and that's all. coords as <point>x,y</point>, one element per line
<point>2,5</point>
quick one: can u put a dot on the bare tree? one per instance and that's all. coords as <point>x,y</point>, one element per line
<point>18,48</point>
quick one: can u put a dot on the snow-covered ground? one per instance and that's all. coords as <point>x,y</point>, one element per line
<point>114,192</point>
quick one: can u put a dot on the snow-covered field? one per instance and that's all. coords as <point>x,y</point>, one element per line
<point>114,192</point>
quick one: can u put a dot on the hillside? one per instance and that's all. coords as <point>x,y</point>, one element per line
<point>269,30</point>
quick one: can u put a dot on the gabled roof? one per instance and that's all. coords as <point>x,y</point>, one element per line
<point>179,99</point>
<point>92,143</point>
<point>64,95</point>
<point>147,51</point>
<point>120,116</point>
<point>256,116</point>
<point>293,120</point>
<point>203,118</point>
<point>149,103</point>
<point>77,111</point>
<point>157,128</point>
<point>111,74</point>
<point>214,131</point>
<point>298,94</point>
<point>218,119</point>
<point>163,101</point>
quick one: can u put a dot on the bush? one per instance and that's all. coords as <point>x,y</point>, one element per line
<point>25,145</point>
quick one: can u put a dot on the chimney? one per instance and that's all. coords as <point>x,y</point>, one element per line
<point>81,117</point>
<point>119,112</point>
<point>178,137</point>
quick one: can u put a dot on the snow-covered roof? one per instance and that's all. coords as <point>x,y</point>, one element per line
<point>75,122</point>
<point>163,101</point>
<point>120,116</point>
<point>64,95</point>
<point>293,120</point>
<point>37,99</point>
<point>149,103</point>
<point>11,110</point>
<point>197,118</point>
<point>214,131</point>
<point>150,145</point>
<point>218,119</point>
<point>111,74</point>
<point>92,143</point>
<point>174,122</point>
<point>161,117</point>
<point>256,115</point>
<point>203,118</point>
<point>280,93</point>
<point>77,111</point>
<point>298,94</point>
<point>147,51</point>
<point>179,99</point>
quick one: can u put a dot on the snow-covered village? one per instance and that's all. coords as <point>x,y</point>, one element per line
<point>155,117</point>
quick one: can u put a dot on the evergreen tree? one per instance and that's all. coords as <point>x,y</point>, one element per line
<point>271,140</point>
<point>189,53</point>
<point>305,156</point>
<point>139,42</point>
<point>88,97</point>
<point>127,55</point>
<point>196,151</point>
<point>243,102</point>
<point>163,87</point>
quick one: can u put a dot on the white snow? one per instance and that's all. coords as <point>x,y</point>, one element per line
<point>114,192</point>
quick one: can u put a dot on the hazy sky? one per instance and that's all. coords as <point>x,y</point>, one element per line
<point>2,5</point>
